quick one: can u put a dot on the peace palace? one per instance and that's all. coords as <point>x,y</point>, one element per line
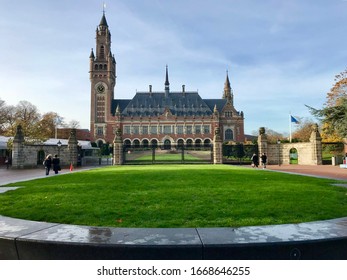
<point>163,118</point>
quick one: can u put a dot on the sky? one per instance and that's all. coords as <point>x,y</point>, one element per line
<point>280,54</point>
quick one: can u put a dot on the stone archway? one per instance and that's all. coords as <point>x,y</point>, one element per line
<point>40,157</point>
<point>308,153</point>
<point>293,156</point>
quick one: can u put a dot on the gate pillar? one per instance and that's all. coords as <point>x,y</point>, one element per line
<point>316,146</point>
<point>73,148</point>
<point>18,149</point>
<point>217,147</point>
<point>262,141</point>
<point>118,148</point>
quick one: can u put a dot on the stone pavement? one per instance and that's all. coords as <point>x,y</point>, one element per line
<point>8,176</point>
<point>321,171</point>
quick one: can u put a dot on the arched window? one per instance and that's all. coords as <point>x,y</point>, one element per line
<point>167,144</point>
<point>180,143</point>
<point>189,143</point>
<point>96,67</point>
<point>102,52</point>
<point>154,143</point>
<point>197,143</point>
<point>229,135</point>
<point>207,143</point>
<point>136,143</point>
<point>127,143</point>
<point>145,143</point>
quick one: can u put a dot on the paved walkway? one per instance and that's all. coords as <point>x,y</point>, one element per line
<point>8,176</point>
<point>321,171</point>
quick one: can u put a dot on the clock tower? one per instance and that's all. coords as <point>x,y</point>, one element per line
<point>102,70</point>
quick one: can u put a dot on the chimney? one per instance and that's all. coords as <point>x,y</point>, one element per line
<point>183,88</point>
<point>150,88</point>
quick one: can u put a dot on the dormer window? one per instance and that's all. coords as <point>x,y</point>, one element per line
<point>228,114</point>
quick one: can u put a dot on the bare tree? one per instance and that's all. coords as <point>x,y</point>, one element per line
<point>73,124</point>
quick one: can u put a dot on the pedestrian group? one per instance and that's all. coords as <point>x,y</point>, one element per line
<point>49,162</point>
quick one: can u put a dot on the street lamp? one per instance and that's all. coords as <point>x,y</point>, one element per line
<point>279,151</point>
<point>59,145</point>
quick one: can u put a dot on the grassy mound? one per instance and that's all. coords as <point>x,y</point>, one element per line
<point>175,196</point>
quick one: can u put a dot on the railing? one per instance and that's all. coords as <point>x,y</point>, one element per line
<point>161,154</point>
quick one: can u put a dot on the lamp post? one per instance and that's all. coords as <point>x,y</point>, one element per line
<point>279,151</point>
<point>59,146</point>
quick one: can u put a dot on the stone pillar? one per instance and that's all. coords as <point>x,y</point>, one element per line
<point>316,146</point>
<point>217,147</point>
<point>262,141</point>
<point>18,149</point>
<point>73,148</point>
<point>118,148</point>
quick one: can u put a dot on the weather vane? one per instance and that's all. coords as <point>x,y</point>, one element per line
<point>103,7</point>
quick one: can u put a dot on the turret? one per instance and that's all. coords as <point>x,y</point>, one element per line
<point>91,64</point>
<point>228,93</point>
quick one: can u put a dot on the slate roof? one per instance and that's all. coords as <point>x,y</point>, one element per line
<point>179,103</point>
<point>219,102</point>
<point>103,21</point>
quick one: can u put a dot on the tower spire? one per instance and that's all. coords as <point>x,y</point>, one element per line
<point>167,84</point>
<point>103,21</point>
<point>227,82</point>
<point>227,89</point>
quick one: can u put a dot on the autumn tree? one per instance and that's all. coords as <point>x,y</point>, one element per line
<point>333,116</point>
<point>303,131</point>
<point>48,124</point>
<point>28,116</point>
<point>273,136</point>
<point>339,91</point>
<point>2,116</point>
<point>35,126</point>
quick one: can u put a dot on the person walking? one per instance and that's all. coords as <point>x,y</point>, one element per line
<point>7,162</point>
<point>263,160</point>
<point>56,164</point>
<point>255,160</point>
<point>48,163</point>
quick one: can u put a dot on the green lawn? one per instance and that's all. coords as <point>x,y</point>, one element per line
<point>175,196</point>
<point>169,157</point>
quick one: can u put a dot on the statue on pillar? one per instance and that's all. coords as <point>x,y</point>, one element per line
<point>19,137</point>
<point>217,136</point>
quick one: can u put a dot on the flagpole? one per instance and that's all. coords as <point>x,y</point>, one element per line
<point>290,127</point>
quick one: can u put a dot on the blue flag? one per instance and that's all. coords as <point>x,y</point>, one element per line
<point>294,120</point>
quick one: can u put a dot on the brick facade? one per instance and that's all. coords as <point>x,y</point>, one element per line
<point>151,117</point>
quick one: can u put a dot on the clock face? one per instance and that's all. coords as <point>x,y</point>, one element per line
<point>100,88</point>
